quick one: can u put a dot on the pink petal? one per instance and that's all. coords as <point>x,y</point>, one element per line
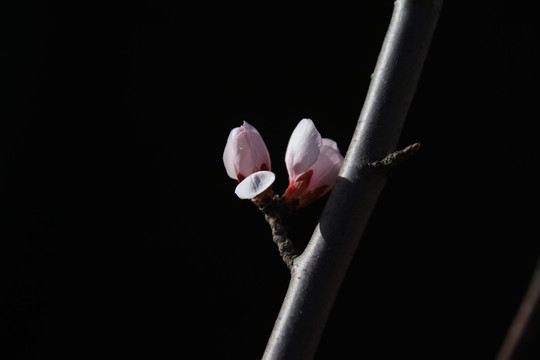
<point>229,154</point>
<point>258,154</point>
<point>329,143</point>
<point>245,152</point>
<point>255,184</point>
<point>327,166</point>
<point>303,148</point>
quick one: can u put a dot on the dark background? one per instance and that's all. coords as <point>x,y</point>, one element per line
<point>120,230</point>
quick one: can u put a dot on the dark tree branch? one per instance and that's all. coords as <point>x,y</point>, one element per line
<point>317,274</point>
<point>525,329</point>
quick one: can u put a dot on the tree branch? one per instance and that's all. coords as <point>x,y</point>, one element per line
<point>525,328</point>
<point>317,274</point>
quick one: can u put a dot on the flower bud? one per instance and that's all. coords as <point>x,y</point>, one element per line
<point>245,153</point>
<point>313,164</point>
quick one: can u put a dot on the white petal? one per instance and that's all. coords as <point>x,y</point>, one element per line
<point>303,148</point>
<point>255,184</point>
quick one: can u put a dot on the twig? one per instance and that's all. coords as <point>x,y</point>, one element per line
<point>279,234</point>
<point>317,274</point>
<point>395,158</point>
<point>273,210</point>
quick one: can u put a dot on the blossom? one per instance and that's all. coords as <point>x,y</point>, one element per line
<point>313,164</point>
<point>245,153</point>
<point>246,159</point>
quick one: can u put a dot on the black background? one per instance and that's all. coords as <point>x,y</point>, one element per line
<point>120,231</point>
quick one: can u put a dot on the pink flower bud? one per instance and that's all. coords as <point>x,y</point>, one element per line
<point>313,164</point>
<point>245,153</point>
